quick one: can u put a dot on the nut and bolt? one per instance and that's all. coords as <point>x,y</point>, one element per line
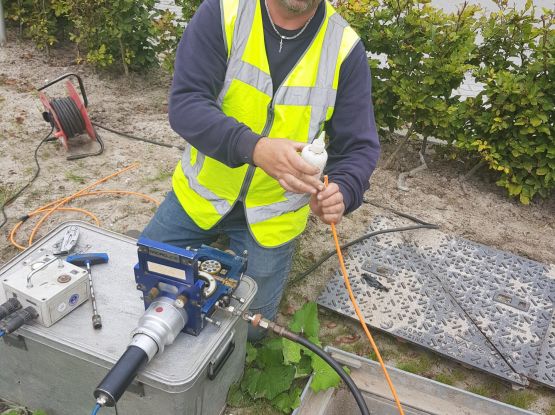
<point>180,301</point>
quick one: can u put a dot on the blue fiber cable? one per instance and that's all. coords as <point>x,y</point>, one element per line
<point>1,333</point>
<point>96,409</point>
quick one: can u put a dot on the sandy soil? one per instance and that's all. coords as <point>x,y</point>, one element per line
<point>476,209</point>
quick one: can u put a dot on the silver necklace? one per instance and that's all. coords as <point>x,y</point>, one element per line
<point>282,37</point>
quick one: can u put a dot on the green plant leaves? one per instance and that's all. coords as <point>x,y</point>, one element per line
<point>324,376</point>
<point>291,351</point>
<point>251,353</point>
<point>286,402</point>
<point>268,383</point>
<point>276,370</point>
<point>305,321</point>
<point>426,53</point>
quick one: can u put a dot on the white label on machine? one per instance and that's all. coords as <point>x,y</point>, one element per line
<point>166,270</point>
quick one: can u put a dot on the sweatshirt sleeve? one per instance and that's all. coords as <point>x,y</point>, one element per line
<point>200,67</point>
<point>354,146</point>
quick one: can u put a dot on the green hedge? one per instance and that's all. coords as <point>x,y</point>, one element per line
<point>510,125</point>
<point>126,34</point>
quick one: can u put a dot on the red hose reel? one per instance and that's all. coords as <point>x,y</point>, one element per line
<point>68,116</point>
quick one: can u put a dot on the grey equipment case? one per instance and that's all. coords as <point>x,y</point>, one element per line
<point>57,368</point>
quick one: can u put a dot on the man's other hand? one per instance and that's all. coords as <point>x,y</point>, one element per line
<point>280,159</point>
<point>328,204</point>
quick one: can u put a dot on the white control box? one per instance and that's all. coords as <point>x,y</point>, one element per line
<point>55,290</point>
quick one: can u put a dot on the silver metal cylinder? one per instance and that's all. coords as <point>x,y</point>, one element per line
<point>161,322</point>
<point>146,343</point>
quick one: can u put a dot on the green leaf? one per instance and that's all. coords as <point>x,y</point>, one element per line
<point>535,121</point>
<point>250,381</point>
<point>514,189</point>
<point>271,354</point>
<point>235,397</point>
<point>304,368</point>
<point>287,402</point>
<point>251,353</point>
<point>525,200</point>
<point>274,380</point>
<point>291,351</point>
<point>305,320</point>
<point>324,376</point>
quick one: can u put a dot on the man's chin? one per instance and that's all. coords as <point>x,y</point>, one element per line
<point>298,6</point>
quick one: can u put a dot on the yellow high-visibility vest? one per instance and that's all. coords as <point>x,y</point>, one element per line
<point>206,188</point>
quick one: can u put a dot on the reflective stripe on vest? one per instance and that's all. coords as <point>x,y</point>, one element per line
<point>206,188</point>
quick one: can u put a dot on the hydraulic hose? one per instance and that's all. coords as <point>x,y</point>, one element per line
<point>335,366</point>
<point>259,321</point>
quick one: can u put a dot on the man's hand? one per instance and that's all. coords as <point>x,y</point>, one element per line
<point>280,159</point>
<point>328,204</point>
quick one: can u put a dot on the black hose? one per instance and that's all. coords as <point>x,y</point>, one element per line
<point>421,225</point>
<point>334,365</point>
<point>133,137</point>
<point>72,123</point>
<point>15,196</point>
<point>70,117</point>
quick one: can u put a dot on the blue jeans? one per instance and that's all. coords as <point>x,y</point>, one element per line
<point>269,267</point>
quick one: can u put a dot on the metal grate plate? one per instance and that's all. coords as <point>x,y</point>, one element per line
<point>483,307</point>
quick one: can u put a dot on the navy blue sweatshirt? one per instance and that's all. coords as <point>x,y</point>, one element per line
<point>200,67</point>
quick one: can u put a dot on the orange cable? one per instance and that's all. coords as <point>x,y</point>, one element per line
<point>73,196</point>
<point>56,205</point>
<point>18,225</point>
<point>86,212</point>
<point>360,316</point>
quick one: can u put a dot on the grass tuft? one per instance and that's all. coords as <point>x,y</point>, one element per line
<point>445,378</point>
<point>75,178</point>
<point>521,399</point>
<point>418,365</point>
<point>161,176</point>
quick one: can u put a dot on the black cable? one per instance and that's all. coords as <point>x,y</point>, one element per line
<point>72,123</point>
<point>334,365</point>
<point>133,137</point>
<point>324,258</point>
<point>70,117</point>
<point>11,199</point>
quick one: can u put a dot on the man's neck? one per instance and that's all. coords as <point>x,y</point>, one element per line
<point>285,18</point>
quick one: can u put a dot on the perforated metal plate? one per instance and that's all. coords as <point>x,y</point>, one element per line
<point>480,306</point>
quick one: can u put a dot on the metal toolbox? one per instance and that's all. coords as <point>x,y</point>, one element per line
<point>419,395</point>
<point>57,368</point>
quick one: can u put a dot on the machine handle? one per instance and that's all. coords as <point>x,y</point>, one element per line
<point>79,80</point>
<point>215,367</point>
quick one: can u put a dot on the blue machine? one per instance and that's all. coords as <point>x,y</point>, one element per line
<point>181,290</point>
<point>199,278</point>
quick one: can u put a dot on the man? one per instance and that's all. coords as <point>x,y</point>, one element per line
<point>254,82</point>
